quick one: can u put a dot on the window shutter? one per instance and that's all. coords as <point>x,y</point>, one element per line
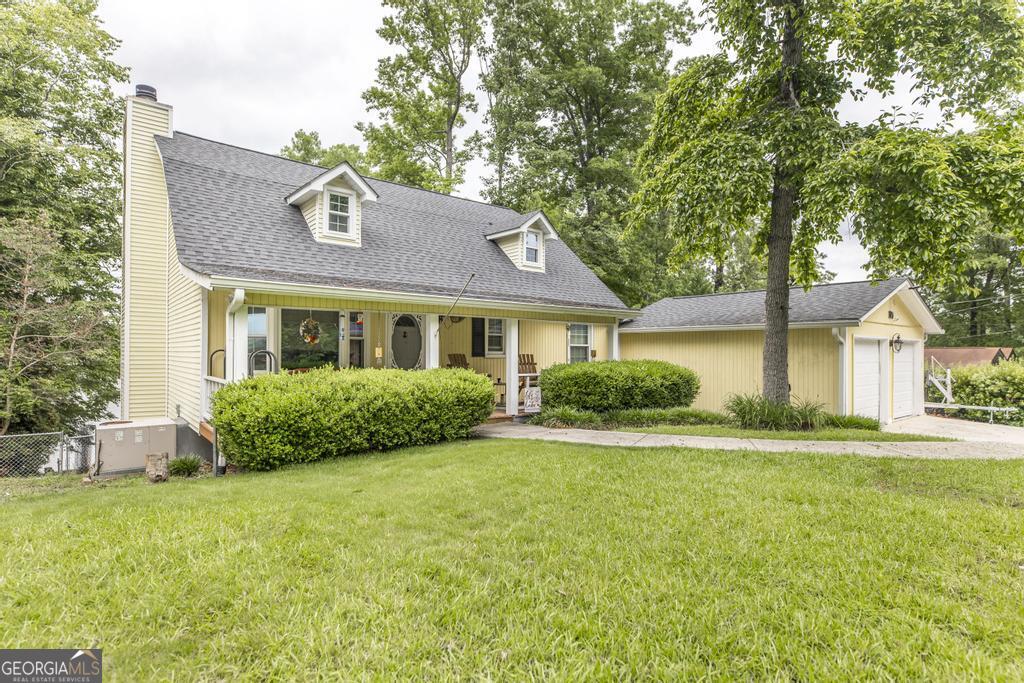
<point>479,336</point>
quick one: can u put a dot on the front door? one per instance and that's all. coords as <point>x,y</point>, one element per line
<point>406,341</point>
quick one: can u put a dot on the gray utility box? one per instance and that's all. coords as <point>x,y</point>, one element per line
<point>122,445</point>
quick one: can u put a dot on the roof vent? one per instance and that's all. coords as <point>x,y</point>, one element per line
<point>146,91</point>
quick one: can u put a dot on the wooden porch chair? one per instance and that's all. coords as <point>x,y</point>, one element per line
<point>458,360</point>
<point>527,365</point>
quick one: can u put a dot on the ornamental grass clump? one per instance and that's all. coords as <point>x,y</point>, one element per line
<point>618,385</point>
<point>754,411</point>
<point>272,420</point>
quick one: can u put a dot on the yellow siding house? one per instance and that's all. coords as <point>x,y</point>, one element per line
<point>238,262</point>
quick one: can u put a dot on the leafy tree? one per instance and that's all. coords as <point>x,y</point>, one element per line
<point>54,344</point>
<point>421,94</point>
<point>59,124</point>
<point>571,85</point>
<point>749,141</point>
<point>993,313</point>
<point>307,147</point>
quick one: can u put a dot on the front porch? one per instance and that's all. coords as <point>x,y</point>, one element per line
<point>247,333</point>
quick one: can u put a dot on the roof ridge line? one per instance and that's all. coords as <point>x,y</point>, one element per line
<point>328,168</point>
<point>464,221</point>
<point>755,291</point>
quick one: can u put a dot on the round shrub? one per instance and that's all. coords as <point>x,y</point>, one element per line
<point>271,420</point>
<point>618,385</point>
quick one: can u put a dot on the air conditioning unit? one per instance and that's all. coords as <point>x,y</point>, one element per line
<point>122,445</point>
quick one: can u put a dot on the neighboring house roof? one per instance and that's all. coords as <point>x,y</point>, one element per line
<point>231,220</point>
<point>844,303</point>
<point>968,355</point>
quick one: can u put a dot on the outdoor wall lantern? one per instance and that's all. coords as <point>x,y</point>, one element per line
<point>896,343</point>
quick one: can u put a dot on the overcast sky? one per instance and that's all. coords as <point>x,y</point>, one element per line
<point>251,72</point>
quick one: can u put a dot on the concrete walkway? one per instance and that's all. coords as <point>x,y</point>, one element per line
<point>908,449</point>
<point>952,428</point>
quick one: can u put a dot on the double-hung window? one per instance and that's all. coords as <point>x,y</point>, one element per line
<point>338,216</point>
<point>579,343</point>
<point>532,243</point>
<point>495,337</point>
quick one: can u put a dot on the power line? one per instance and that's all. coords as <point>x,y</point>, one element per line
<point>971,301</point>
<point>979,334</point>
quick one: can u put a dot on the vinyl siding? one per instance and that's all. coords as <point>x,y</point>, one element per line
<point>184,340</point>
<point>216,334</point>
<point>513,248</point>
<point>731,362</point>
<point>311,212</point>
<point>145,263</point>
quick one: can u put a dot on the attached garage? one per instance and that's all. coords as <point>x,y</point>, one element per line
<point>856,347</point>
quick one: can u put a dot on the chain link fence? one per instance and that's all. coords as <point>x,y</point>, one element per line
<point>30,455</point>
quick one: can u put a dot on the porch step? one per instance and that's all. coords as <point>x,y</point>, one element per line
<point>499,416</point>
<point>206,430</point>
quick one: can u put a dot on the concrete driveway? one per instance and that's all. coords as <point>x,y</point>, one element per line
<point>962,430</point>
<point>935,450</point>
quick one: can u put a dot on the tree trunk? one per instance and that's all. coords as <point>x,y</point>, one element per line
<point>719,275</point>
<point>780,236</point>
<point>776,300</point>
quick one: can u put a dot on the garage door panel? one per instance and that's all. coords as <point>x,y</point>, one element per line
<point>904,383</point>
<point>866,378</point>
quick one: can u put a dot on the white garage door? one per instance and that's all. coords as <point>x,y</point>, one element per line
<point>866,378</point>
<point>903,381</point>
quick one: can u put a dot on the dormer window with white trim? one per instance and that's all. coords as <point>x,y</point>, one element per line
<point>338,213</point>
<point>525,240</point>
<point>332,205</point>
<point>532,244</point>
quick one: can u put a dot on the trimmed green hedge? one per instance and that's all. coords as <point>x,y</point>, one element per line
<point>632,417</point>
<point>272,420</point>
<point>618,385</point>
<point>987,385</point>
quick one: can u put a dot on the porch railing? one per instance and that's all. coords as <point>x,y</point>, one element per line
<point>211,385</point>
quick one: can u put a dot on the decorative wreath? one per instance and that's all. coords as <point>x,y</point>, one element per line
<point>310,331</point>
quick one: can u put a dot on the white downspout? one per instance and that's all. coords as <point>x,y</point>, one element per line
<point>839,333</point>
<point>234,369</point>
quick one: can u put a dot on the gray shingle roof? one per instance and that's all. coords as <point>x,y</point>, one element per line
<point>230,220</point>
<point>843,302</point>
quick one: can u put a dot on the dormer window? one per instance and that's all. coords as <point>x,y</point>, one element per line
<point>532,247</point>
<point>338,216</point>
<point>525,239</point>
<point>332,205</point>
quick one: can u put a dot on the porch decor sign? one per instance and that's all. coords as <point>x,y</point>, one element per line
<point>310,331</point>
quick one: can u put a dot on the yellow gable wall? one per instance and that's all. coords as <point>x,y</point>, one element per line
<point>880,325</point>
<point>731,362</point>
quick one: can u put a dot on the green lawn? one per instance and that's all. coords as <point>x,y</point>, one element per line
<point>518,559</point>
<point>834,434</point>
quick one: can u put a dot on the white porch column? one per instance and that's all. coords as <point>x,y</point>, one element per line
<point>613,341</point>
<point>511,326</point>
<point>432,346</point>
<point>236,354</point>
